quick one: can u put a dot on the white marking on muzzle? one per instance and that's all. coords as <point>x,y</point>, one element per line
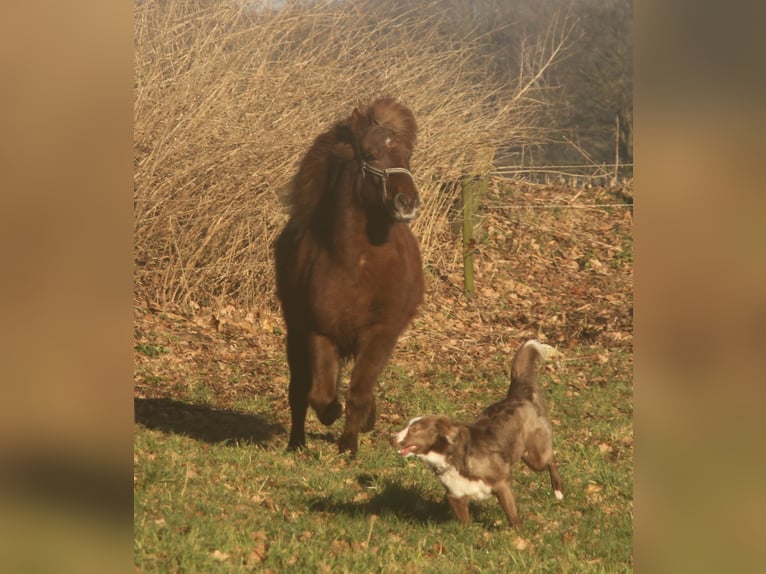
<point>402,434</point>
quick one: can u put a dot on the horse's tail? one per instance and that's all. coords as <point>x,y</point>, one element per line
<point>523,373</point>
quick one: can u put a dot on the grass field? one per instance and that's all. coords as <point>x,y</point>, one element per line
<point>207,503</point>
<point>216,491</point>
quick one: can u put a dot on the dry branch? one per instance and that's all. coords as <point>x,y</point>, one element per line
<point>227,100</point>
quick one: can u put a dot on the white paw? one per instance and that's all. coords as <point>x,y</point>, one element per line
<point>558,494</point>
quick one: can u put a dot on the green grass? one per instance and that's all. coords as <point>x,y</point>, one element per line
<point>150,350</point>
<point>234,500</point>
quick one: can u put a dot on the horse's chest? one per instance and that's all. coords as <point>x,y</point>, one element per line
<point>367,272</point>
<point>365,289</point>
<point>376,272</point>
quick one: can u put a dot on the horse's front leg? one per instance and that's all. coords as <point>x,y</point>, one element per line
<point>372,357</point>
<point>325,370</point>
<point>300,384</point>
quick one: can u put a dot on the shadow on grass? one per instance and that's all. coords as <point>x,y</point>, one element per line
<point>404,502</point>
<point>203,422</point>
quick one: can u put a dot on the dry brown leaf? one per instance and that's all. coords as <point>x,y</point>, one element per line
<point>259,548</point>
<point>520,543</point>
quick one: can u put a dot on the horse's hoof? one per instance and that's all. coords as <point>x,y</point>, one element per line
<point>349,444</point>
<point>296,444</point>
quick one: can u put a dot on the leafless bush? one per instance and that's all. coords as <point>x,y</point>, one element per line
<point>227,99</point>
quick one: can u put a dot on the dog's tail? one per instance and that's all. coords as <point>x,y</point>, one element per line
<point>523,372</point>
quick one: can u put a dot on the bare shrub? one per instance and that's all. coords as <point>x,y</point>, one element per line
<point>227,99</point>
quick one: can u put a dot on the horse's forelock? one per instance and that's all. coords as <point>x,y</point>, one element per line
<point>389,113</point>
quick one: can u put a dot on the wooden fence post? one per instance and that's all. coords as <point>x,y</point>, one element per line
<point>474,188</point>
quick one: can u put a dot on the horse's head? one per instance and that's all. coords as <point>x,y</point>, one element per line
<point>384,134</point>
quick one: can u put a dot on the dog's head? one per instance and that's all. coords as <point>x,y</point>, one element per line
<point>423,435</point>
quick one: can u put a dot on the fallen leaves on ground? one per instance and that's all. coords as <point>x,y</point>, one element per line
<point>562,276</point>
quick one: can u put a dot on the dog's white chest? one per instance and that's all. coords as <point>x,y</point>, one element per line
<point>460,486</point>
<point>457,484</point>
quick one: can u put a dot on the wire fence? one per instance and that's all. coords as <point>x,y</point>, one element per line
<point>542,176</point>
<point>487,205</point>
<point>576,176</point>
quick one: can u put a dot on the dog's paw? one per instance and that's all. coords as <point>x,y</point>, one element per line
<point>558,494</point>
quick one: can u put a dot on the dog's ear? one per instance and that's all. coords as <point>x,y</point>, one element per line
<point>453,433</point>
<point>446,428</point>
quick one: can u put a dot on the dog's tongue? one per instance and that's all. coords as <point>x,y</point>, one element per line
<point>407,450</point>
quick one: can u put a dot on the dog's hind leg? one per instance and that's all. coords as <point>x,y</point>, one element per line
<point>506,499</point>
<point>539,456</point>
<point>460,507</point>
<point>556,484</point>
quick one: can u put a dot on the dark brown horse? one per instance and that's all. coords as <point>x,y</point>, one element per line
<point>349,273</point>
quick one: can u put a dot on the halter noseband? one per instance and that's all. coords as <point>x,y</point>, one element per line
<point>384,173</point>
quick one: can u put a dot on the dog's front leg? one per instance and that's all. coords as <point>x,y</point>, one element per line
<point>504,495</point>
<point>460,507</point>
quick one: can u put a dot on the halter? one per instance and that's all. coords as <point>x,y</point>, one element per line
<point>384,173</point>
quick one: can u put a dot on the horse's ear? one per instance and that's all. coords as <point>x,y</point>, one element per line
<point>343,132</point>
<point>360,121</point>
<point>344,146</point>
<point>359,114</point>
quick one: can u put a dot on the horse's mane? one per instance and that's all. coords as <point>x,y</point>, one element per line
<point>338,145</point>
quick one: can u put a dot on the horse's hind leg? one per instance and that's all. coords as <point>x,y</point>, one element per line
<point>325,370</point>
<point>300,382</point>
<point>360,399</point>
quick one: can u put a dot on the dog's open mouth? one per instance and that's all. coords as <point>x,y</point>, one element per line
<point>407,450</point>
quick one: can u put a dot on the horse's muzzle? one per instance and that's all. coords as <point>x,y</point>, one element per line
<point>405,208</point>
